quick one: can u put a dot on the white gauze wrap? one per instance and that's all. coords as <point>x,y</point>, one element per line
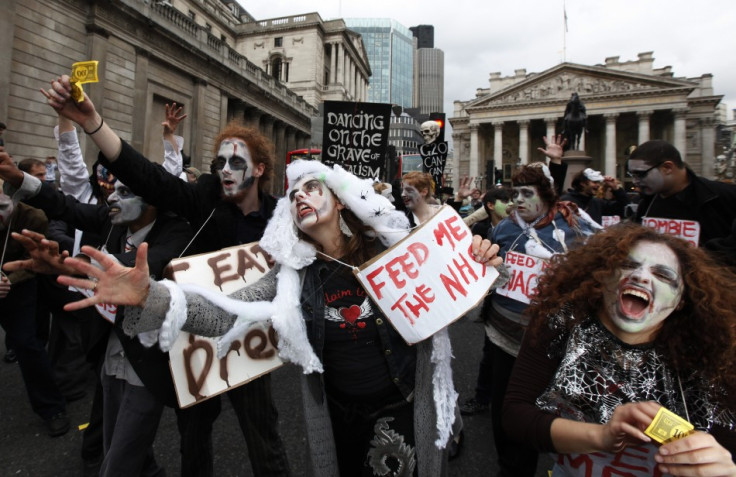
<point>445,396</point>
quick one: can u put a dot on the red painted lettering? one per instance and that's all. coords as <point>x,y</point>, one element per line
<point>376,286</point>
<point>420,253</point>
<point>393,271</point>
<point>452,284</point>
<point>447,229</point>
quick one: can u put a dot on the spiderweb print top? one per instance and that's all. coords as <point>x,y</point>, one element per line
<point>598,373</point>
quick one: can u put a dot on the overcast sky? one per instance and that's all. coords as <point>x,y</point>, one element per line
<point>480,37</point>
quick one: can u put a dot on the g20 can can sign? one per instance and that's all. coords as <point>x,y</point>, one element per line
<point>197,373</point>
<point>429,279</point>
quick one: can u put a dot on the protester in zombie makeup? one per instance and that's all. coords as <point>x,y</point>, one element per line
<point>631,321</point>
<point>416,189</point>
<point>354,391</point>
<point>538,227</point>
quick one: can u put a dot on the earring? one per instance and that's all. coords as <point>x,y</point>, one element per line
<point>344,227</point>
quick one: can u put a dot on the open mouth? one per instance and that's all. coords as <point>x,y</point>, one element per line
<point>634,302</point>
<point>303,209</point>
<point>113,211</point>
<point>228,182</point>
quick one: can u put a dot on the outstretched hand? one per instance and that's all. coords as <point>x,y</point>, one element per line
<point>553,149</point>
<point>173,118</point>
<point>467,184</point>
<point>44,255</point>
<point>8,170</point>
<point>113,284</point>
<point>59,97</point>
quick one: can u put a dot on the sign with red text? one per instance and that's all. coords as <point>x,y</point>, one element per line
<point>608,220</point>
<point>688,230</point>
<point>524,271</point>
<point>635,461</point>
<point>429,279</point>
<point>106,310</point>
<point>197,372</point>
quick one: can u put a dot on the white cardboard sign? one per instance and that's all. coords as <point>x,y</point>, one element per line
<point>688,230</point>
<point>524,272</point>
<point>197,372</point>
<point>429,279</point>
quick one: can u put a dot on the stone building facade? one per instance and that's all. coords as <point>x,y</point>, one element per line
<point>318,60</point>
<point>627,103</point>
<point>151,52</point>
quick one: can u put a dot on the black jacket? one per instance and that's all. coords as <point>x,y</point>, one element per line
<point>195,202</point>
<point>596,207</point>
<point>712,203</point>
<point>165,240</point>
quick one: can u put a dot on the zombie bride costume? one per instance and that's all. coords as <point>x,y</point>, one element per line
<point>294,296</point>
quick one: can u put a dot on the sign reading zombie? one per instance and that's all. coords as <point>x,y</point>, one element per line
<point>524,273</point>
<point>429,279</point>
<point>688,230</point>
<point>198,373</point>
<point>355,137</point>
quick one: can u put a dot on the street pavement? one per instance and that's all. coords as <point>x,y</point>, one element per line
<point>26,450</point>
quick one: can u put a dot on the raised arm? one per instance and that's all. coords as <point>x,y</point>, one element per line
<point>85,115</point>
<point>173,161</point>
<point>73,174</point>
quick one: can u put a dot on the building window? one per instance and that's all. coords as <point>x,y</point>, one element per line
<point>278,41</point>
<point>276,67</point>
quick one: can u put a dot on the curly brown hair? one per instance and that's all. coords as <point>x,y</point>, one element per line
<point>420,180</point>
<point>261,149</point>
<point>533,175</point>
<point>700,336</point>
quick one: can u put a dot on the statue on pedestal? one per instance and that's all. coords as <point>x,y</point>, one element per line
<point>574,122</point>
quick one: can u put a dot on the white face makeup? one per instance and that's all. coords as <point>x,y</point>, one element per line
<point>125,207</point>
<point>6,210</point>
<point>527,202</point>
<point>648,179</point>
<point>411,196</point>
<point>234,166</point>
<point>642,293</point>
<point>312,203</point>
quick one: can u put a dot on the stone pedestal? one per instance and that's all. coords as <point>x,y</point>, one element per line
<point>576,161</point>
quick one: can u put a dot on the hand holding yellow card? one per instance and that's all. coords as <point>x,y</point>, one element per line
<point>82,72</point>
<point>668,426</point>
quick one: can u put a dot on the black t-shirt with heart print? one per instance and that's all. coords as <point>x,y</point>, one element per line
<point>353,356</point>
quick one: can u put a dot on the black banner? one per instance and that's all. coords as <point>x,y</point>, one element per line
<point>434,157</point>
<point>355,137</point>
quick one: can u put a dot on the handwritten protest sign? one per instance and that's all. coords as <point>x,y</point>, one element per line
<point>524,273</point>
<point>355,137</point>
<point>197,372</point>
<point>434,157</point>
<point>609,220</point>
<point>689,230</point>
<point>429,279</point>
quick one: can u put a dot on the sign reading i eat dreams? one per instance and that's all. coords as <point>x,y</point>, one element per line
<point>197,372</point>
<point>429,279</point>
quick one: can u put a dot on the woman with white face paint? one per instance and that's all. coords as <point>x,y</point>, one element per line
<point>362,382</point>
<point>632,321</point>
<point>416,190</point>
<point>538,227</point>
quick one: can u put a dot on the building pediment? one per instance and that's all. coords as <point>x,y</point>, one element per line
<point>558,83</point>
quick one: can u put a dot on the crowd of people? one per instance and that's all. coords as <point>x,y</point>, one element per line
<point>626,313</point>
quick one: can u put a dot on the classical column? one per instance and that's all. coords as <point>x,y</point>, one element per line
<point>267,126</point>
<point>279,142</point>
<point>551,128</point>
<point>457,141</point>
<point>474,153</point>
<point>644,130</point>
<point>708,140</point>
<point>333,62</point>
<point>140,96</point>
<point>524,141</point>
<point>681,132</point>
<point>610,159</point>
<point>340,73</point>
<point>498,144</point>
<point>196,114</point>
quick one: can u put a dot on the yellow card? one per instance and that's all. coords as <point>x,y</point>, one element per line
<point>82,72</point>
<point>668,426</point>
